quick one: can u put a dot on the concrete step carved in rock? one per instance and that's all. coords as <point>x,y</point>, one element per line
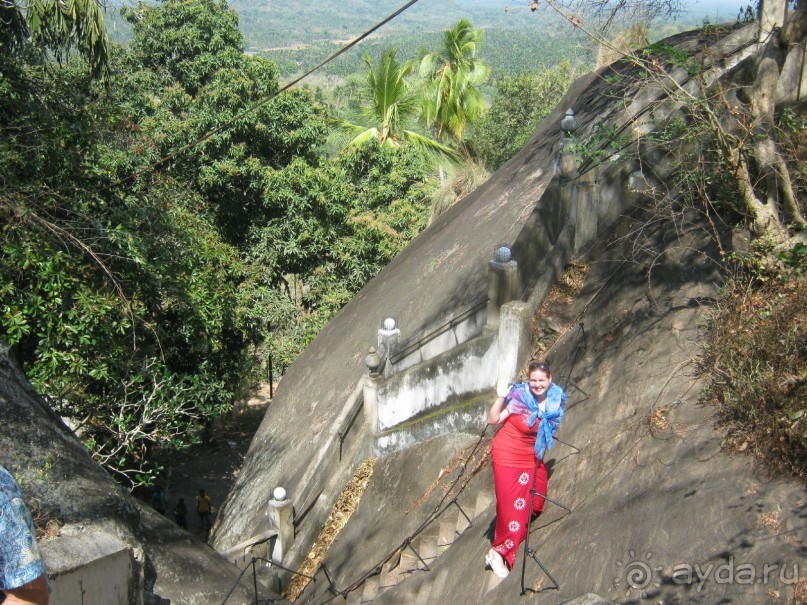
<point>425,548</point>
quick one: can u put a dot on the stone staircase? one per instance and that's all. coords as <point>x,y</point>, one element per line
<point>424,549</point>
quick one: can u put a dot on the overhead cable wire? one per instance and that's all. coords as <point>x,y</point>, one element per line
<point>211,133</point>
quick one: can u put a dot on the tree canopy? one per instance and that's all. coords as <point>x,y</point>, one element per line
<point>392,106</point>
<point>141,295</point>
<point>519,105</point>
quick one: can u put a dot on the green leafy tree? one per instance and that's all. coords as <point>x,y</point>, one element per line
<point>134,291</point>
<point>521,102</point>
<point>190,40</point>
<point>135,367</point>
<point>120,301</point>
<point>172,106</point>
<point>452,99</point>
<point>237,165</point>
<point>335,227</point>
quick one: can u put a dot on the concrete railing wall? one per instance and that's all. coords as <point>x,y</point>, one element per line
<point>449,383</point>
<point>465,369</point>
<point>92,568</point>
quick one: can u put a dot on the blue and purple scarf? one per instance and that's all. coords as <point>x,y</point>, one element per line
<point>520,400</point>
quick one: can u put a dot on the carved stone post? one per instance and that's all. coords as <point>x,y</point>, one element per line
<point>388,338</point>
<point>514,339</point>
<point>585,211</point>
<point>773,14</point>
<point>502,283</point>
<point>567,163</point>
<point>280,513</point>
<point>370,389</point>
<point>572,190</point>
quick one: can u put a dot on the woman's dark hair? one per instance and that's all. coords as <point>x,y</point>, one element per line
<point>539,365</point>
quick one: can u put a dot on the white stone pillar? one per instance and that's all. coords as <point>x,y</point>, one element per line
<point>389,336</point>
<point>514,339</point>
<point>586,210</point>
<point>567,161</point>
<point>280,513</point>
<point>773,15</point>
<point>370,389</point>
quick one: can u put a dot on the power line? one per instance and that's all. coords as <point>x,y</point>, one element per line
<point>211,133</point>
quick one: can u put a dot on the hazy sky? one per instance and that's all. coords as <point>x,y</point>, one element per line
<point>725,9</point>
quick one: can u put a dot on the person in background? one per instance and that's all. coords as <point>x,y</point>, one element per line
<point>529,415</point>
<point>203,506</point>
<point>181,513</point>
<point>23,580</point>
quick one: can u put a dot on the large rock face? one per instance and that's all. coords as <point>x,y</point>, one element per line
<point>650,491</point>
<point>658,513</point>
<point>439,276</point>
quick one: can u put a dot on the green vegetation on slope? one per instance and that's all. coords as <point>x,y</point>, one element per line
<point>505,51</point>
<point>520,104</point>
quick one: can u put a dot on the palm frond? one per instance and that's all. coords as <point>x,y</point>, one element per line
<point>59,25</point>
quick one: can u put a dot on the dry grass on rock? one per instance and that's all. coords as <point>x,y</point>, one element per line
<point>554,317</point>
<point>756,358</point>
<point>343,508</point>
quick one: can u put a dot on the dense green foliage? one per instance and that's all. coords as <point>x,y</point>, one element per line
<point>119,302</point>
<point>147,263</point>
<point>343,223</point>
<point>56,27</point>
<point>299,35</point>
<point>510,51</point>
<point>521,102</point>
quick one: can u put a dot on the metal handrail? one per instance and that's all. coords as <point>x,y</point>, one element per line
<point>418,343</point>
<point>348,423</point>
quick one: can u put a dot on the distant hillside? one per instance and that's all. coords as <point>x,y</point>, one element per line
<point>274,23</point>
<point>298,35</point>
<point>282,23</point>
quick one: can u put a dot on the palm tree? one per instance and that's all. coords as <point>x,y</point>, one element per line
<point>57,25</point>
<point>393,103</point>
<point>453,74</point>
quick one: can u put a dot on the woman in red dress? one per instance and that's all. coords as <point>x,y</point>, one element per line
<point>529,414</point>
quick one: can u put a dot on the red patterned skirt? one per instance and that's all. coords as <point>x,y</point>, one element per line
<point>513,505</point>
